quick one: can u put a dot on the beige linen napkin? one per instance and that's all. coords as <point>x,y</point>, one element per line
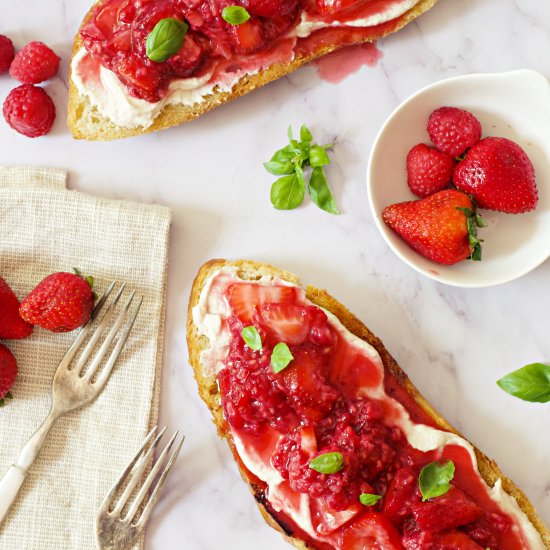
<point>46,228</point>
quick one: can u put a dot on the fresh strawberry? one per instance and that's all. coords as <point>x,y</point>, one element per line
<point>245,298</point>
<point>401,493</point>
<point>12,326</point>
<point>8,373</point>
<point>499,175</point>
<point>373,531</point>
<point>456,540</point>
<point>270,8</point>
<point>447,511</point>
<point>453,130</point>
<point>248,36</point>
<point>441,227</point>
<point>428,170</point>
<point>305,380</point>
<point>61,302</point>
<point>289,323</point>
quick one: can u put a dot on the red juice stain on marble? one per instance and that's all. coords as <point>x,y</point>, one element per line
<point>337,65</point>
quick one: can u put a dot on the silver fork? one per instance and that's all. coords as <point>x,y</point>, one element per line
<point>116,530</point>
<point>73,386</point>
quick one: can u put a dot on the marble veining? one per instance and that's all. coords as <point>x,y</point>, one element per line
<point>454,343</point>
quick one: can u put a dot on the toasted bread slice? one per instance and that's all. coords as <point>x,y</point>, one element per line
<point>86,122</point>
<point>209,391</point>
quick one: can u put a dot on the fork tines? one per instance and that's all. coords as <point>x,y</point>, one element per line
<point>107,319</point>
<point>133,475</point>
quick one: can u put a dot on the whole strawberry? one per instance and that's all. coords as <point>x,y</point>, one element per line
<point>8,373</point>
<point>61,302</point>
<point>441,227</point>
<point>453,130</point>
<point>11,325</point>
<point>428,170</point>
<point>499,175</point>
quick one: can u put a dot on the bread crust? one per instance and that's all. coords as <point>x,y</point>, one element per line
<point>209,392</point>
<point>85,121</point>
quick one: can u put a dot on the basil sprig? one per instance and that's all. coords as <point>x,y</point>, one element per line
<point>368,499</point>
<point>280,357</point>
<point>328,463</point>
<point>252,338</point>
<point>434,479</point>
<point>235,15</point>
<point>530,383</point>
<point>165,39</point>
<point>289,162</point>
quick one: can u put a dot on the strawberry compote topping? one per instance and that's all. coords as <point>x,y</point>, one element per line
<point>312,407</point>
<point>117,31</point>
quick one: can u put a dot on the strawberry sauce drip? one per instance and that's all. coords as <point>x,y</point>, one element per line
<point>116,32</point>
<point>338,65</point>
<point>321,403</point>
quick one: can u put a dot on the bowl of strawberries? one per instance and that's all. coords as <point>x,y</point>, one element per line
<point>458,178</point>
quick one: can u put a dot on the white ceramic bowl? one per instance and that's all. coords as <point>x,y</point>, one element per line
<point>515,105</point>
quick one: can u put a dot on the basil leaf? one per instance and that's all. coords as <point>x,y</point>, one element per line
<point>165,39</point>
<point>286,154</point>
<point>289,134</point>
<point>280,357</point>
<point>235,15</point>
<point>318,156</point>
<point>320,192</point>
<point>369,500</point>
<point>305,134</point>
<point>252,338</point>
<point>329,463</point>
<point>279,168</point>
<point>287,192</point>
<point>530,383</point>
<point>434,479</point>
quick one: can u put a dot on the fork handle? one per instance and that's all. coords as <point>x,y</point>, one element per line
<point>13,479</point>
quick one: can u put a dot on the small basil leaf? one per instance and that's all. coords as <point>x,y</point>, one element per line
<point>320,192</point>
<point>279,168</point>
<point>252,338</point>
<point>235,15</point>
<point>530,383</point>
<point>280,357</point>
<point>434,479</point>
<point>287,192</point>
<point>318,156</point>
<point>289,134</point>
<point>286,154</point>
<point>305,134</point>
<point>368,500</point>
<point>165,39</point>
<point>329,463</point>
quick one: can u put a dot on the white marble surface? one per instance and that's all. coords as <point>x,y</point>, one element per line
<point>454,343</point>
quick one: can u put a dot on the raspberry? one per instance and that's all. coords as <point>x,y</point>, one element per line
<point>7,53</point>
<point>453,130</point>
<point>35,63</point>
<point>29,110</point>
<point>428,170</point>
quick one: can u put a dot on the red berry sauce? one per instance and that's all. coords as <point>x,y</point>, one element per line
<point>319,404</point>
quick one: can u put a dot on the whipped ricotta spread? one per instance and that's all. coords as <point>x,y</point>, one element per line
<point>208,316</point>
<point>111,98</point>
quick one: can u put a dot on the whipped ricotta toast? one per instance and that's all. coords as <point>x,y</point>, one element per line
<point>338,446</point>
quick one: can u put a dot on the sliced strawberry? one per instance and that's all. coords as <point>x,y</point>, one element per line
<point>328,7</point>
<point>288,323</point>
<point>373,531</point>
<point>305,381</point>
<point>245,298</point>
<point>401,494</point>
<point>248,36</point>
<point>308,441</point>
<point>456,540</point>
<point>447,511</point>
